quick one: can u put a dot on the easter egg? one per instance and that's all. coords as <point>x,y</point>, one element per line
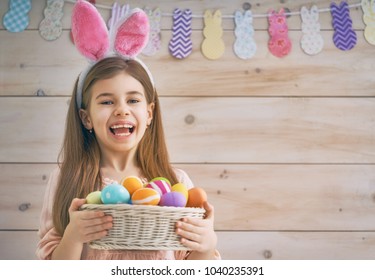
<point>196,197</point>
<point>162,179</point>
<point>94,197</point>
<point>115,194</point>
<point>161,186</point>
<point>175,199</point>
<point>181,188</point>
<point>132,183</point>
<point>145,196</point>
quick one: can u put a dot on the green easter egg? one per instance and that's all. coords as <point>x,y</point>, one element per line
<point>94,198</point>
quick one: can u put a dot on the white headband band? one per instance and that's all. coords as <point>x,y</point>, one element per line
<point>83,75</point>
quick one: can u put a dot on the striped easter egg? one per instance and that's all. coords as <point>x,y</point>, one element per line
<point>145,196</point>
<point>161,186</point>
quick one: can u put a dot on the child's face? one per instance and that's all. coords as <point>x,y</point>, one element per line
<point>118,113</point>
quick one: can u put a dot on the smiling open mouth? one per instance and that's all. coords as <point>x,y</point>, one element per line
<point>122,129</point>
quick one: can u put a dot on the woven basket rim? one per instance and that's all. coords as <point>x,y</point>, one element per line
<point>153,208</point>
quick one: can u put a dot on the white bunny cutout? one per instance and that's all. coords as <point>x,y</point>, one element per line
<point>244,45</point>
<point>312,41</point>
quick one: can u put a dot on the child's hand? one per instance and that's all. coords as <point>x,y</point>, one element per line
<point>199,234</point>
<point>85,226</point>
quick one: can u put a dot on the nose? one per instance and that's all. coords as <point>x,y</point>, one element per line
<point>122,109</point>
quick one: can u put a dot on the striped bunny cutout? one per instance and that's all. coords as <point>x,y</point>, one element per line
<point>212,46</point>
<point>244,45</point>
<point>368,8</point>
<point>95,42</point>
<point>312,41</point>
<point>117,13</point>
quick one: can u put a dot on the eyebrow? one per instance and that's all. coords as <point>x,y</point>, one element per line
<point>107,94</point>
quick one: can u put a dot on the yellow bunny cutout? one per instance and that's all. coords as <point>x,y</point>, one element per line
<point>368,7</point>
<point>213,46</point>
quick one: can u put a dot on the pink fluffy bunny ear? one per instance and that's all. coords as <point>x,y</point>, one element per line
<point>132,34</point>
<point>89,31</point>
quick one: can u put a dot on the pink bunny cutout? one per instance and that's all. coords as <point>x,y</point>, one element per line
<point>279,43</point>
<point>93,40</point>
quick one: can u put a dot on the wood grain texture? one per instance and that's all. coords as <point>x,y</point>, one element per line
<point>18,245</point>
<point>297,245</point>
<point>227,130</point>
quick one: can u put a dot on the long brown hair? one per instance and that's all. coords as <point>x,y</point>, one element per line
<point>80,154</point>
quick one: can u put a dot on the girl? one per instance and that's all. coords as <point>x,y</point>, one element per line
<point>113,130</point>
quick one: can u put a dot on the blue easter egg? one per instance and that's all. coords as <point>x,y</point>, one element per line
<point>115,194</point>
<point>175,199</point>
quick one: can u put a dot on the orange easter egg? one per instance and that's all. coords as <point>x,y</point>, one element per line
<point>132,183</point>
<point>196,197</point>
<point>145,196</point>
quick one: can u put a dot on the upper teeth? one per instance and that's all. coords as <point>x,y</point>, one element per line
<point>121,126</point>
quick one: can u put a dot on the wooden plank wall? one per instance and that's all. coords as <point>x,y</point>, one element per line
<point>284,147</point>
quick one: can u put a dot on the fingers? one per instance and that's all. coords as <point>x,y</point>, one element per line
<point>76,204</point>
<point>209,215</point>
<point>209,210</point>
<point>198,234</point>
<point>88,225</point>
<point>90,229</point>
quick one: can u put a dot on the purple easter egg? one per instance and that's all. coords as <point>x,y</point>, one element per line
<point>175,199</point>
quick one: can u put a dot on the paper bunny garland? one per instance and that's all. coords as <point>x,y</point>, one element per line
<point>213,46</point>
<point>312,41</point>
<point>50,28</point>
<point>279,43</point>
<point>92,39</point>
<point>244,45</point>
<point>368,8</point>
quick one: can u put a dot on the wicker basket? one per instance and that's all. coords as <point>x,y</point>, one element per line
<point>141,227</point>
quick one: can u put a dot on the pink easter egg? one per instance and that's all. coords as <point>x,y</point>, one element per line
<point>161,186</point>
<point>175,199</point>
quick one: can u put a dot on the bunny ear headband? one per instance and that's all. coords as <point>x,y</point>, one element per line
<point>92,39</point>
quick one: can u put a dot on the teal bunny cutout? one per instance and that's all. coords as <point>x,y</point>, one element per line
<point>17,18</point>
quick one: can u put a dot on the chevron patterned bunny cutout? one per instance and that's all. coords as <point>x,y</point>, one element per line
<point>181,45</point>
<point>94,42</point>
<point>344,36</point>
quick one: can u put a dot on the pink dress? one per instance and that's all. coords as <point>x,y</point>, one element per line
<point>50,239</point>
